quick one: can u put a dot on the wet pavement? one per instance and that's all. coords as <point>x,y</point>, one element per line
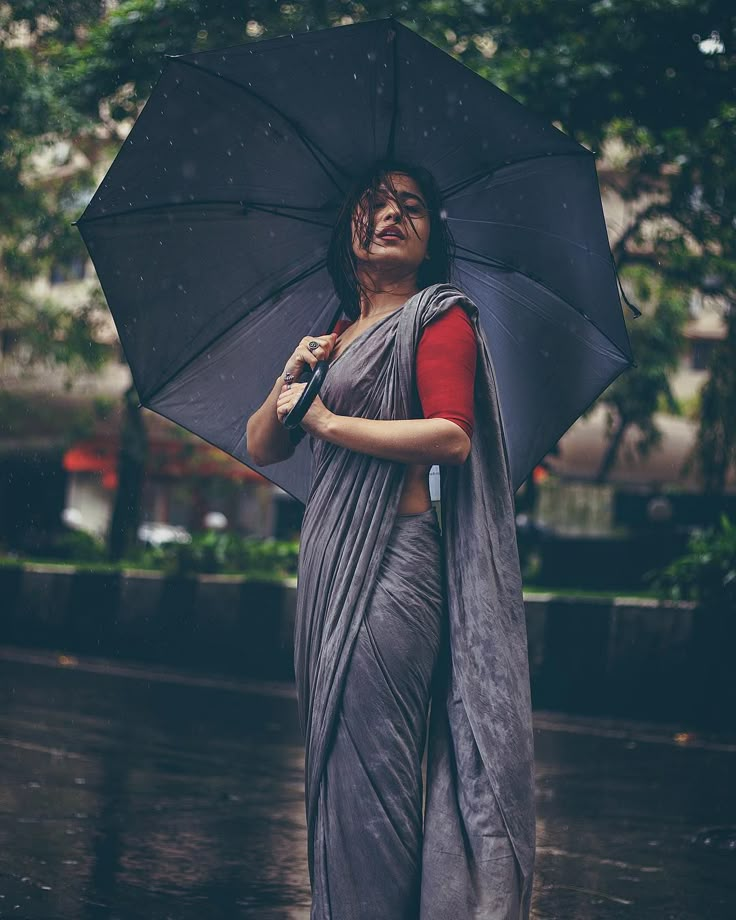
<point>131,793</point>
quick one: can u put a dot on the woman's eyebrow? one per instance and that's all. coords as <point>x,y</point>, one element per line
<point>406,195</point>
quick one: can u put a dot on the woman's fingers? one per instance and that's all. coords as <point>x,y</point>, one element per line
<point>322,351</point>
<point>287,398</point>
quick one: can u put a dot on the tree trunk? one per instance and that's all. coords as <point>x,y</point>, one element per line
<point>131,472</point>
<point>609,457</point>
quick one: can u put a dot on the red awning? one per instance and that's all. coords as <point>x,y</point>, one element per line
<point>167,458</point>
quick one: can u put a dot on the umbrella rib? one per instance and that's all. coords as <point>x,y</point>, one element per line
<point>172,369</point>
<point>465,183</point>
<point>313,148</point>
<point>540,230</point>
<point>487,261</point>
<point>244,205</point>
<point>391,146</point>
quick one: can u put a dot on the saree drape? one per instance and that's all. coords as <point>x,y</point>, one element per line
<point>478,839</point>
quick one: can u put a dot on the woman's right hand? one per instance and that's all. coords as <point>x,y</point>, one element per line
<point>303,357</point>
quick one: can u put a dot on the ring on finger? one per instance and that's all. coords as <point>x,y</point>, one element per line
<point>313,346</point>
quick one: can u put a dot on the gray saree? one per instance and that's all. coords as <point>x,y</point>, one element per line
<point>390,613</point>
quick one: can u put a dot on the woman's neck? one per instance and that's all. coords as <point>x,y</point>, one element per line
<point>379,303</point>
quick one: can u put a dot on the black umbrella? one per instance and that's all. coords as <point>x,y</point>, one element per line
<point>210,230</point>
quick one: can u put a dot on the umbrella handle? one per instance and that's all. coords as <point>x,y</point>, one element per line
<point>299,410</point>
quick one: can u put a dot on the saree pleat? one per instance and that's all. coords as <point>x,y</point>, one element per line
<point>368,862</point>
<point>390,612</point>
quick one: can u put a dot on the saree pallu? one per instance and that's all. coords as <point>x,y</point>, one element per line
<point>366,663</point>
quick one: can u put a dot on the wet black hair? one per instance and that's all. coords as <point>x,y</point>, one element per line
<point>362,194</point>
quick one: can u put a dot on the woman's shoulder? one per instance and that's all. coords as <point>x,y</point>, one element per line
<point>454,319</point>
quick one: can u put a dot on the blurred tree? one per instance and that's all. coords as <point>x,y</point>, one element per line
<point>716,452</point>
<point>36,230</point>
<point>657,342</point>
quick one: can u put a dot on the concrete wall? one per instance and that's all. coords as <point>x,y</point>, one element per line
<point>627,657</point>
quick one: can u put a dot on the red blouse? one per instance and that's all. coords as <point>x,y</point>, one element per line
<point>445,367</point>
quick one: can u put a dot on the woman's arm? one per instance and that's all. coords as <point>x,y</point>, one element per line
<point>414,440</point>
<point>266,439</point>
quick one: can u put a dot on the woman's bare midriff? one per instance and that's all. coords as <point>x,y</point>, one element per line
<point>415,493</point>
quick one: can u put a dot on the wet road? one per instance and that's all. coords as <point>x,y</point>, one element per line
<point>143,794</point>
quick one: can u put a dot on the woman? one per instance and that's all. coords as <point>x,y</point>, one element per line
<point>392,612</point>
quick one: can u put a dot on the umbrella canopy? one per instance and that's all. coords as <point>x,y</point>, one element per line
<point>210,231</point>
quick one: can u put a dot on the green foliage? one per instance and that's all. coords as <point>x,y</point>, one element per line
<point>211,552</point>
<point>36,231</point>
<point>69,338</point>
<point>77,546</point>
<point>706,573</point>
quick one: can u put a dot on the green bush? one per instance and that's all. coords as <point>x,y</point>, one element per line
<point>77,546</point>
<point>213,552</point>
<point>706,573</point>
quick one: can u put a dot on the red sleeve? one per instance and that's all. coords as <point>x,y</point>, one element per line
<point>445,366</point>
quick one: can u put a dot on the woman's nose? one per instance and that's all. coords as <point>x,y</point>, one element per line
<point>390,216</point>
<point>390,210</point>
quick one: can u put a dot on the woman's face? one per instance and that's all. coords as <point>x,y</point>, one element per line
<point>406,249</point>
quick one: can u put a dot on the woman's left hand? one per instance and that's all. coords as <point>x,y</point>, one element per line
<point>316,416</point>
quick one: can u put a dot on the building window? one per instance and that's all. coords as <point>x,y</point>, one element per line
<point>9,340</point>
<point>72,270</point>
<point>700,353</point>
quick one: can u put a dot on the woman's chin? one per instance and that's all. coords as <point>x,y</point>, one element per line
<point>389,261</point>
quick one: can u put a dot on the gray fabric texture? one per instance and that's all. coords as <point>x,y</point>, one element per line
<point>478,839</point>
